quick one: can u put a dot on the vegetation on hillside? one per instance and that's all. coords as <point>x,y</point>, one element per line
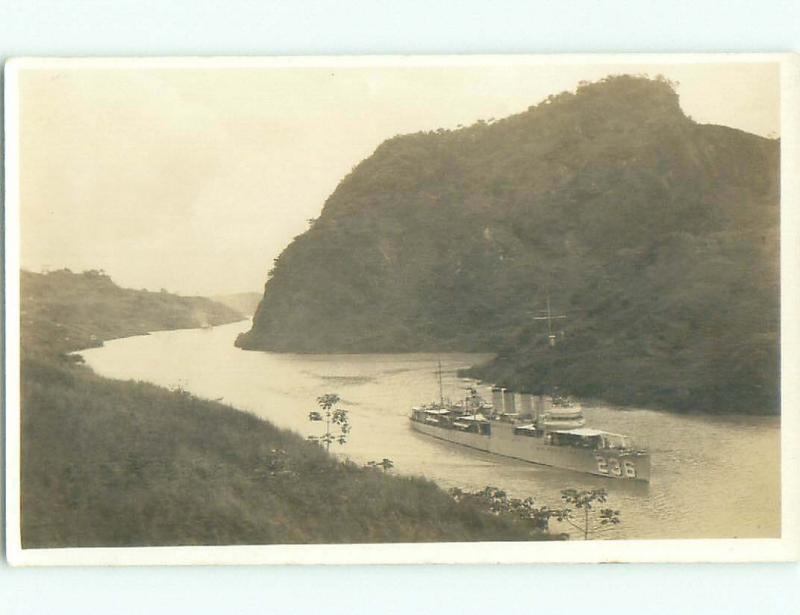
<point>655,235</point>
<point>111,463</point>
<point>62,311</point>
<point>581,509</point>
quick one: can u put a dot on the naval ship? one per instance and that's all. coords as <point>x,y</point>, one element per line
<point>546,429</point>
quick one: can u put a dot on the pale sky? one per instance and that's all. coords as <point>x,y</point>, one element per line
<point>194,180</point>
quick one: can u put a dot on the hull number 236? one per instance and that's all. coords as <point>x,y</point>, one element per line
<point>612,466</point>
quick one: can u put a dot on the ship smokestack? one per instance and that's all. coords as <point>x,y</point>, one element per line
<point>497,400</point>
<point>509,407</point>
<point>526,404</point>
<point>538,407</point>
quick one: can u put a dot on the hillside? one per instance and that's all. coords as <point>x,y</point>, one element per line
<point>64,311</point>
<point>114,464</point>
<point>110,463</point>
<point>655,235</point>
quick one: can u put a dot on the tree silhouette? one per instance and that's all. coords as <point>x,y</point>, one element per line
<point>586,517</point>
<point>334,417</point>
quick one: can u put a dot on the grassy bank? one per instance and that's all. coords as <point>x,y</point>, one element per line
<point>112,463</point>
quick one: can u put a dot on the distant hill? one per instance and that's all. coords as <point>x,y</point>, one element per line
<point>655,235</point>
<point>244,303</point>
<point>62,311</point>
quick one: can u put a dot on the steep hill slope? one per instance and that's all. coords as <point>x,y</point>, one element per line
<point>657,236</point>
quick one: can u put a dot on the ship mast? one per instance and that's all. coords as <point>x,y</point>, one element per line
<point>549,385</point>
<point>550,317</point>
<point>441,389</point>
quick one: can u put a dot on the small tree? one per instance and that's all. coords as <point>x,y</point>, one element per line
<point>334,418</point>
<point>590,519</point>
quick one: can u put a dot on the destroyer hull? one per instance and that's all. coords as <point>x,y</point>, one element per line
<point>503,441</point>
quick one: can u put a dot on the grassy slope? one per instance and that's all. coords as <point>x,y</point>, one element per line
<point>110,463</point>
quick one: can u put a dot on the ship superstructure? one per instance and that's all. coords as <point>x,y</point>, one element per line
<point>548,429</point>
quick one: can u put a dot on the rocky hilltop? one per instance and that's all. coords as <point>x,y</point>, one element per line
<point>656,236</point>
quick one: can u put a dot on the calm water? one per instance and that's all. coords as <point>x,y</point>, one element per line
<point>711,476</point>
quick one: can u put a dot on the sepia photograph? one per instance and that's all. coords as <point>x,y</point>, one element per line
<point>398,309</point>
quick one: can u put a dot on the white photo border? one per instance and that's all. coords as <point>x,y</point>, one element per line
<point>785,548</point>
